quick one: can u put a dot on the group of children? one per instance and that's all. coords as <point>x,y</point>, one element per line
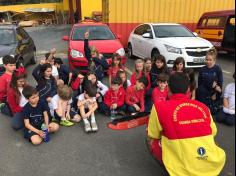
<point>62,97</point>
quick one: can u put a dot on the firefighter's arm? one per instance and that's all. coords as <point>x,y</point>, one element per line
<point>154,126</point>
<point>213,127</point>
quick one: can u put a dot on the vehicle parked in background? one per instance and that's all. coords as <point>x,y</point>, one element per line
<point>15,41</point>
<point>169,39</point>
<point>219,28</point>
<point>100,36</point>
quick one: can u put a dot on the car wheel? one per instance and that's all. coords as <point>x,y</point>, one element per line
<point>155,53</point>
<point>33,60</point>
<point>130,51</point>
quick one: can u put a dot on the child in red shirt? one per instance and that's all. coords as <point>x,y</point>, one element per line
<point>16,99</point>
<point>135,96</point>
<point>116,65</point>
<point>139,72</point>
<point>9,63</point>
<point>160,93</point>
<point>114,98</point>
<point>125,82</point>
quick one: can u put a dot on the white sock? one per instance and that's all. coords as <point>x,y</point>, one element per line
<point>93,120</point>
<point>86,121</point>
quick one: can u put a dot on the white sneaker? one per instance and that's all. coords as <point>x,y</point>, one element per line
<point>87,127</point>
<point>94,126</point>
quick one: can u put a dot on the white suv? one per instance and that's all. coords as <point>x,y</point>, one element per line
<point>170,40</point>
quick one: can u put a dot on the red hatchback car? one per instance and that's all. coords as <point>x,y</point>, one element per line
<point>100,36</point>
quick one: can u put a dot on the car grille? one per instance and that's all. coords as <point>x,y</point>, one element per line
<point>196,54</point>
<point>107,55</point>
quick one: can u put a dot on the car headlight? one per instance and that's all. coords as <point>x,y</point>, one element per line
<point>172,49</point>
<point>76,54</point>
<point>121,52</point>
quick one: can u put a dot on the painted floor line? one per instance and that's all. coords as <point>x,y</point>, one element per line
<point>224,71</point>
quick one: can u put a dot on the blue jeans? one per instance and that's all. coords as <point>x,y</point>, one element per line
<point>131,109</point>
<point>148,100</point>
<point>228,119</point>
<point>107,111</point>
<point>17,121</point>
<point>204,95</point>
<point>6,110</point>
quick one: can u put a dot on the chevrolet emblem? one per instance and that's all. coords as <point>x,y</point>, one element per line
<point>199,50</point>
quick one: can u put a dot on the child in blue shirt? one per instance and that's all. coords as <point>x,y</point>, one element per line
<point>63,70</point>
<point>47,85</point>
<point>96,61</point>
<point>35,114</point>
<point>210,82</point>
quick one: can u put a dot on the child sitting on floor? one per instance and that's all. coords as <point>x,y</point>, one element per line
<point>116,65</point>
<point>227,115</point>
<point>122,75</point>
<point>35,115</point>
<point>135,96</point>
<point>159,66</point>
<point>16,99</point>
<point>114,99</point>
<point>60,107</point>
<point>87,106</point>
<point>63,70</point>
<point>9,63</point>
<point>210,83</point>
<point>160,93</point>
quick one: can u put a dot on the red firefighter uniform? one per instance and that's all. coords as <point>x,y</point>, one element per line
<point>186,131</point>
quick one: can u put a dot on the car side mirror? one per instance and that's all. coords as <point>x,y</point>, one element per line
<point>65,38</point>
<point>147,35</point>
<point>196,34</point>
<point>118,36</point>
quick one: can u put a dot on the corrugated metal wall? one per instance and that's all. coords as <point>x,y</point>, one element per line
<point>124,15</point>
<point>184,11</point>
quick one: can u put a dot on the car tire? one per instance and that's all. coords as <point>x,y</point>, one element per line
<point>33,60</point>
<point>155,53</point>
<point>130,51</point>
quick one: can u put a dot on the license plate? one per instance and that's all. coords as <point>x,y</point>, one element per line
<point>199,60</point>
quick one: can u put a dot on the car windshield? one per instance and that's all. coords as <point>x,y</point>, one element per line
<point>95,33</point>
<point>7,37</point>
<point>165,31</point>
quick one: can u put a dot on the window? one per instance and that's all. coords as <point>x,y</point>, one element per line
<point>7,37</point>
<point>17,2</point>
<point>202,23</point>
<point>95,33</point>
<point>232,21</point>
<point>147,29</point>
<point>216,22</point>
<point>139,30</point>
<point>165,31</point>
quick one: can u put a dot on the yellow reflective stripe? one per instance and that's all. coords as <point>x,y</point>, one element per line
<point>154,126</point>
